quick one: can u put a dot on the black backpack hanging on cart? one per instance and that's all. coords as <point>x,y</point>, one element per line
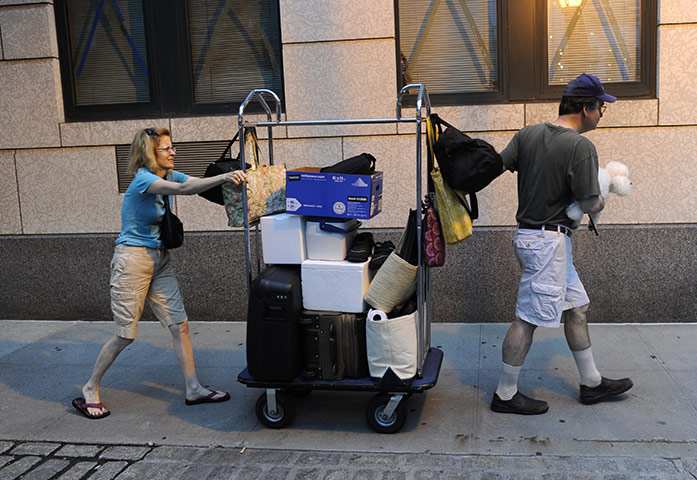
<point>467,164</point>
<point>275,305</point>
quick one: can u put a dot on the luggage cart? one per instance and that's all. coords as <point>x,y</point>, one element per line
<point>386,411</point>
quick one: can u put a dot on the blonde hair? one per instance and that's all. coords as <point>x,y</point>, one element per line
<point>142,153</point>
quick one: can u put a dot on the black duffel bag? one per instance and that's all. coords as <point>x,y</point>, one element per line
<point>467,164</point>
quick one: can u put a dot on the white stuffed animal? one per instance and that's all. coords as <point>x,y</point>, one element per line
<point>613,178</point>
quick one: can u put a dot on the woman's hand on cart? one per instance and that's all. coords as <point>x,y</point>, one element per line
<point>238,177</point>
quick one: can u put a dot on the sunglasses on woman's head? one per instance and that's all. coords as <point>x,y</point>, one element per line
<point>151,131</point>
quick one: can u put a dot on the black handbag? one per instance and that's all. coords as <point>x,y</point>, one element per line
<point>223,165</point>
<point>363,164</point>
<point>171,228</point>
<point>467,164</point>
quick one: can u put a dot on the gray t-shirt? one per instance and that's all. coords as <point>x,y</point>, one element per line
<point>556,166</point>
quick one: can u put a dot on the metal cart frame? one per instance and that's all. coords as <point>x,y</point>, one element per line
<point>386,411</point>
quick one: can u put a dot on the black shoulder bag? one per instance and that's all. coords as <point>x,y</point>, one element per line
<point>222,165</point>
<point>171,228</point>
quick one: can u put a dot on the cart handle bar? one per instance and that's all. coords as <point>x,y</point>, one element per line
<point>259,93</point>
<point>422,97</point>
<point>351,121</point>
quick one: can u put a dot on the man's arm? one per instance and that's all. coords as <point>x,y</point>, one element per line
<point>509,155</point>
<point>592,205</point>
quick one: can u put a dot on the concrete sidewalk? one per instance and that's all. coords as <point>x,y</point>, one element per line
<point>43,364</point>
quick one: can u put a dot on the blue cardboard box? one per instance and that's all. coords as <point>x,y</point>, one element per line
<point>311,192</point>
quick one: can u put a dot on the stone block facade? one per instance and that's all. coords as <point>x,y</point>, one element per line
<point>58,179</point>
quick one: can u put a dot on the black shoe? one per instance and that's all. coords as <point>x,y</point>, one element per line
<point>519,404</point>
<point>606,389</point>
<point>362,248</point>
<point>380,254</point>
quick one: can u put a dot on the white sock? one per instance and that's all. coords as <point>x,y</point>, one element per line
<point>590,376</point>
<point>508,381</point>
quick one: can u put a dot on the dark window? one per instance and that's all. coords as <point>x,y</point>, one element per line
<point>451,46</point>
<point>487,51</point>
<point>108,52</point>
<point>133,58</point>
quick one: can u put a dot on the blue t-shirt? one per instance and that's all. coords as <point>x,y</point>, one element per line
<point>142,212</point>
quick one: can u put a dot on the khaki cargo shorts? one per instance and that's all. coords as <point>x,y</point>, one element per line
<point>139,274</point>
<point>549,283</point>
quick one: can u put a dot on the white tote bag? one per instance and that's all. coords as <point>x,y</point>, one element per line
<point>391,342</point>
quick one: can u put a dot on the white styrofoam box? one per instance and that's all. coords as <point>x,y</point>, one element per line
<point>335,286</point>
<point>283,239</point>
<point>328,239</point>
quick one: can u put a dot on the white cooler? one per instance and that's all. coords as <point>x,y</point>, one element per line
<point>329,238</point>
<point>335,286</point>
<point>283,239</point>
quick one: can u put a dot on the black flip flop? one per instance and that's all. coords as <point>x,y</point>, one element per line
<point>209,398</point>
<point>81,406</point>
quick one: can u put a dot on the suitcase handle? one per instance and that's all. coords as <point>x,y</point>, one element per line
<point>333,350</point>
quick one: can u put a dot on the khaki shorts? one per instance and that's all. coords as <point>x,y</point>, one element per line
<point>549,283</point>
<point>139,274</point>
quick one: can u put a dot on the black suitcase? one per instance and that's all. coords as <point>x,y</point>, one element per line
<point>333,345</point>
<point>275,305</point>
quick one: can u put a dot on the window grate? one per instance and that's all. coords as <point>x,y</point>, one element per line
<point>192,158</point>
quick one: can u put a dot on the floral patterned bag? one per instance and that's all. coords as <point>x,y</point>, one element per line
<point>266,192</point>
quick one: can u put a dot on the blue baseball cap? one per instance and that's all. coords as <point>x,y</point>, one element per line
<point>587,86</point>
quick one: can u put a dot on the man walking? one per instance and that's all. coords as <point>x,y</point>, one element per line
<point>556,166</point>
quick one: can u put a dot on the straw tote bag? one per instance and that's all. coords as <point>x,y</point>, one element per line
<point>395,281</point>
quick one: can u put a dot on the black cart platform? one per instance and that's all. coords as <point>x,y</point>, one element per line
<point>386,412</point>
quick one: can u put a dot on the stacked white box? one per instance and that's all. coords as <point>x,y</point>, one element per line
<point>327,240</point>
<point>335,286</point>
<point>283,239</point>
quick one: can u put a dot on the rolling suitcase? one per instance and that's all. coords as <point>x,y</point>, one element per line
<point>275,305</point>
<point>333,345</point>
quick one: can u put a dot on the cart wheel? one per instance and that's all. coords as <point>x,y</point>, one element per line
<point>375,417</point>
<point>285,409</point>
